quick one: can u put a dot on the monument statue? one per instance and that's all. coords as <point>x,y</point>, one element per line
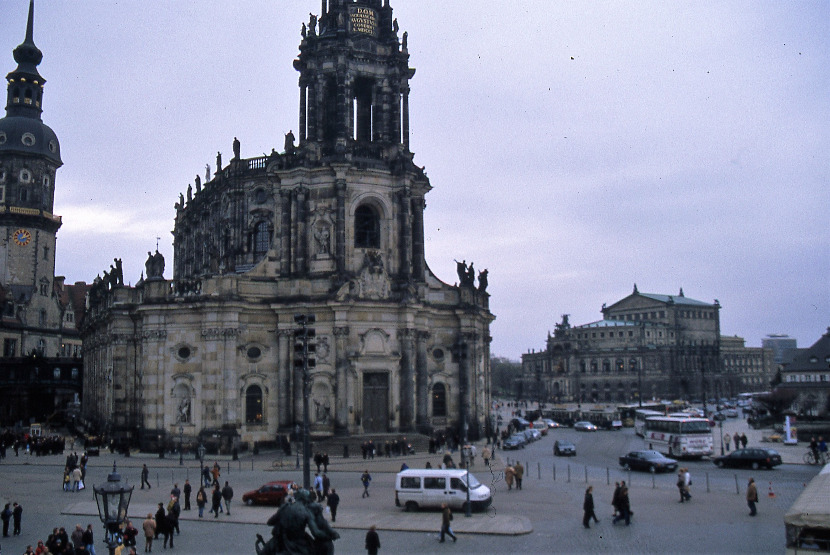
<point>288,532</point>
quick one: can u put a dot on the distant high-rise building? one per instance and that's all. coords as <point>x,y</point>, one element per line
<point>781,345</point>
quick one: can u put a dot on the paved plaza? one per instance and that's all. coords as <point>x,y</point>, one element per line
<point>544,517</point>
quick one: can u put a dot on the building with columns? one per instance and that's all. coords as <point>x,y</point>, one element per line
<point>653,346</point>
<point>331,225</point>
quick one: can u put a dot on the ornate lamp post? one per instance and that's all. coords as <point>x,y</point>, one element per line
<point>181,453</point>
<point>113,500</point>
<point>200,451</point>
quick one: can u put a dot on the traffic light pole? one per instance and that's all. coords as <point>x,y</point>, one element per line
<point>302,349</point>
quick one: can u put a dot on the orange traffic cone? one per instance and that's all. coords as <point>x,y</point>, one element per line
<point>771,493</point>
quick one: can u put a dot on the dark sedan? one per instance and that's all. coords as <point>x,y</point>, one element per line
<point>272,493</point>
<point>563,447</point>
<point>651,461</point>
<point>753,458</point>
<point>516,441</point>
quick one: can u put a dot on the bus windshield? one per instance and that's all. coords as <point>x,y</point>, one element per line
<point>695,427</point>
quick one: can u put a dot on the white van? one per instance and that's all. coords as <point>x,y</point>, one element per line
<point>430,487</point>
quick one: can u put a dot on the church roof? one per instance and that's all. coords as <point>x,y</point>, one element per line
<point>816,357</point>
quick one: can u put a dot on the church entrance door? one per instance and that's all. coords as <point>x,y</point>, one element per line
<point>375,402</point>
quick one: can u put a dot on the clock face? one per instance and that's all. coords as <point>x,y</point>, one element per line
<point>22,237</point>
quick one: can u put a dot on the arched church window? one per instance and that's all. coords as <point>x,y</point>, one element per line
<point>439,400</point>
<point>253,405</point>
<point>262,238</point>
<point>366,228</point>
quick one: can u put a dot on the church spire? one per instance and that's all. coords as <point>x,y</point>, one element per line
<point>25,89</point>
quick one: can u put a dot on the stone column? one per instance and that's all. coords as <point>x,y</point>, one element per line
<point>285,232</point>
<point>405,115</point>
<point>418,265</point>
<point>313,102</point>
<point>340,226</point>
<point>407,379</point>
<point>421,381</point>
<point>341,364</point>
<point>405,227</point>
<point>300,244</point>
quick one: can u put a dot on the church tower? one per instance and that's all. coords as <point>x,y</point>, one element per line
<point>333,226</point>
<point>29,159</point>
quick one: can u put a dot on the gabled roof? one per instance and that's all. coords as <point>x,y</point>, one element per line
<point>816,357</point>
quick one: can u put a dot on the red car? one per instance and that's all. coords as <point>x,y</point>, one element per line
<point>272,493</point>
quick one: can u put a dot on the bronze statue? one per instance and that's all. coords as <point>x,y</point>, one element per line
<point>289,142</point>
<point>236,148</point>
<point>482,280</point>
<point>288,533</point>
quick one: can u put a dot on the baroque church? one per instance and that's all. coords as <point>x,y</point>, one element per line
<point>40,365</point>
<point>331,226</point>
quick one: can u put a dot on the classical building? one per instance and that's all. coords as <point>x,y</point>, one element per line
<point>806,372</point>
<point>40,367</point>
<point>650,345</point>
<point>331,226</point>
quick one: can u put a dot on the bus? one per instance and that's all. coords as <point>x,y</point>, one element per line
<point>640,416</point>
<point>627,411</point>
<point>678,436</point>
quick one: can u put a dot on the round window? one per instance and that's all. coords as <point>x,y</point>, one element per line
<point>53,146</point>
<point>184,352</point>
<point>254,352</point>
<point>2,137</point>
<point>28,139</point>
<point>438,354</point>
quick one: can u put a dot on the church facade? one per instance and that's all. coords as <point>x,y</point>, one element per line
<point>332,225</point>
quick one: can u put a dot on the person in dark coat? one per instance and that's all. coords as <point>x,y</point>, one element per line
<point>161,520</point>
<point>624,506</point>
<point>588,507</point>
<point>216,500</point>
<point>372,541</point>
<point>6,515</point>
<point>188,489</point>
<point>17,514</point>
<point>333,501</point>
<point>446,517</point>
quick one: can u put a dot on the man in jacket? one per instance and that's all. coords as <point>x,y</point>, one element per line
<point>446,517</point>
<point>227,495</point>
<point>752,496</point>
<point>149,527</point>
<point>216,500</point>
<point>333,501</point>
<point>188,489</point>
<point>17,514</point>
<point>520,473</point>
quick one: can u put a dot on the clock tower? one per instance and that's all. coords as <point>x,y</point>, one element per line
<point>29,159</point>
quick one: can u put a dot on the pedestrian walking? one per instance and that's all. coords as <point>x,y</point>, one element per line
<point>174,510</point>
<point>372,541</point>
<point>333,501</point>
<point>6,516</point>
<point>17,514</point>
<point>752,496</point>
<point>206,480</point>
<point>187,491</point>
<point>215,473</point>
<point>520,473</point>
<point>687,480</point>
<point>161,520</point>
<point>736,440</point>
<point>318,487</point>
<point>446,517</point>
<point>615,499</point>
<point>624,506</point>
<point>89,539</point>
<point>216,501</point>
<point>145,477</point>
<point>366,478</point>
<point>744,441</point>
<point>201,500</point>
<point>726,439</point>
<point>485,454</point>
<point>509,476</point>
<point>326,486</point>
<point>681,485</point>
<point>149,527</point>
<point>588,508</point>
<point>227,495</point>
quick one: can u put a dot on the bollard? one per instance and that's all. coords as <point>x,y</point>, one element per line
<point>707,482</point>
<point>252,464</point>
<point>569,473</point>
<point>607,476</point>
<point>539,470</point>
<point>586,473</point>
<point>653,481</point>
<point>737,488</point>
<point>554,473</point>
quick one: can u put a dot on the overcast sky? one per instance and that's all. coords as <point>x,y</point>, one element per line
<point>574,148</point>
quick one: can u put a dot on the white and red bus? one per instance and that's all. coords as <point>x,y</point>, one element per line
<point>679,437</point>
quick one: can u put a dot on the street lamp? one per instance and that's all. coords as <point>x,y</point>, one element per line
<point>200,451</point>
<point>304,349</point>
<point>113,499</point>
<point>181,453</point>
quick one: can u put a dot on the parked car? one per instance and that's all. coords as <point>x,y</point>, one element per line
<point>731,413</point>
<point>752,457</point>
<point>516,441</point>
<point>520,423</point>
<point>272,493</point>
<point>651,461</point>
<point>532,435</point>
<point>584,426</point>
<point>542,426</point>
<point>718,416</point>
<point>564,448</point>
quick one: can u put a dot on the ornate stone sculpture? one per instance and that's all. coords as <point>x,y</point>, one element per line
<point>154,265</point>
<point>482,280</point>
<point>288,533</point>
